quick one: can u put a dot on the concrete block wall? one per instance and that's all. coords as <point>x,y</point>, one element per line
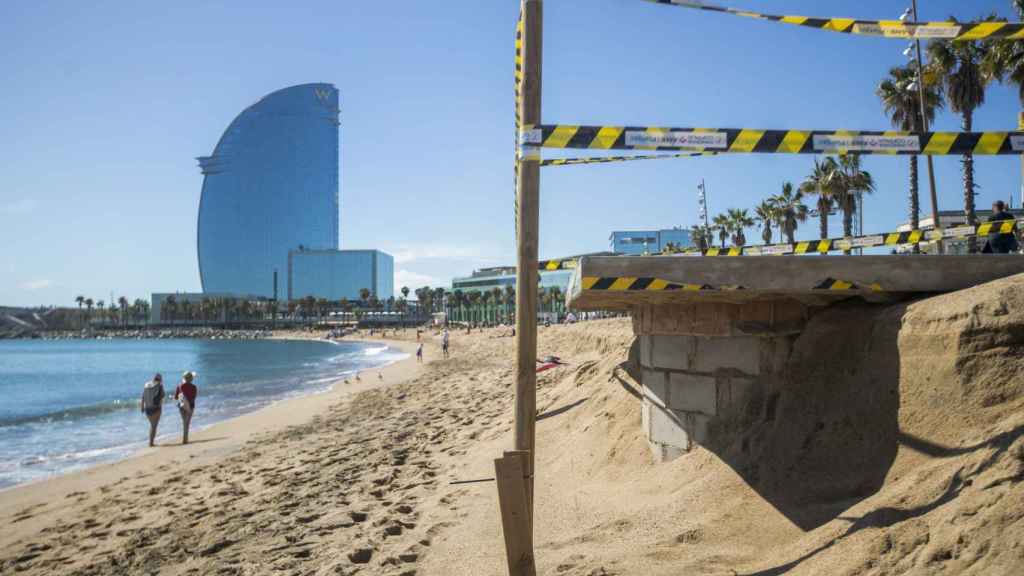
<point>694,384</point>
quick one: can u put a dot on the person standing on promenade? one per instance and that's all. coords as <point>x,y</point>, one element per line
<point>444,343</point>
<point>1000,243</point>
<point>185,394</point>
<point>152,403</point>
<point>419,353</point>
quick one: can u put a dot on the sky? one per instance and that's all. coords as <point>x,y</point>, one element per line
<point>107,104</point>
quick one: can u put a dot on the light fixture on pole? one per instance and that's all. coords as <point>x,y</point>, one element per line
<point>909,51</point>
<point>906,14</point>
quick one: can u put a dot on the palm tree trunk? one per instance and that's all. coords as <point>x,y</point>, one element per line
<point>848,220</point>
<point>823,224</point>
<point>915,201</point>
<point>968,162</point>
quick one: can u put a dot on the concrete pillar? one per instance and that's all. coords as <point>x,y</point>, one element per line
<point>703,364</point>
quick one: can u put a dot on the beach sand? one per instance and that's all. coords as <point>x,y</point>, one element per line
<point>361,484</point>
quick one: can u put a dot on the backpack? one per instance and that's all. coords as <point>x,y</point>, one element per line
<point>152,396</point>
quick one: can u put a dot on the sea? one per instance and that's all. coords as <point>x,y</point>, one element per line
<point>70,404</point>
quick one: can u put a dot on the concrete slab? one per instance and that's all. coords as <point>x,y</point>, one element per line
<point>623,282</point>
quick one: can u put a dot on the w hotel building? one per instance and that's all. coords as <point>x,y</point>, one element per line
<point>269,208</point>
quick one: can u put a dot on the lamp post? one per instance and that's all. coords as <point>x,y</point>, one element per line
<point>924,121</point>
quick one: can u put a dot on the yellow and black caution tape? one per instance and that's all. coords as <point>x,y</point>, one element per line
<point>552,265</point>
<point>884,28</point>
<point>755,141</point>
<point>610,159</point>
<point>518,81</point>
<point>651,284</point>
<point>873,240</point>
<point>628,283</point>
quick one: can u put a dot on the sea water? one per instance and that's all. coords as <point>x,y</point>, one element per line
<point>66,405</point>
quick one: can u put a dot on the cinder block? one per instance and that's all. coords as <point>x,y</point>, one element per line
<point>733,393</point>
<point>774,354</point>
<point>668,428</point>
<point>665,453</point>
<point>645,418</point>
<point>741,353</point>
<point>655,385</point>
<point>646,343</point>
<point>693,393</point>
<point>696,426</point>
<point>672,352</point>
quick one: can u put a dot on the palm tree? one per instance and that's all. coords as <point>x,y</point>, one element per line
<point>556,298</point>
<point>122,302</point>
<point>766,213</point>
<point>405,292</point>
<point>510,301</point>
<point>850,181</point>
<point>739,220</point>
<point>903,106</point>
<point>721,223</point>
<point>88,310</point>
<point>790,210</point>
<point>364,295</point>
<point>474,300</point>
<point>171,307</point>
<point>820,182</point>
<point>960,67</point>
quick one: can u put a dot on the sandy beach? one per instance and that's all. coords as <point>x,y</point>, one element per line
<point>341,483</point>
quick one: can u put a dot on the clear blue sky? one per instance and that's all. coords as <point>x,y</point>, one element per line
<point>106,104</point>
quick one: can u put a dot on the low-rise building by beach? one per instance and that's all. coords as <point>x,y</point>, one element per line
<point>640,242</point>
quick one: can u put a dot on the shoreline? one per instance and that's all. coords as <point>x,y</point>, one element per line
<point>207,445</point>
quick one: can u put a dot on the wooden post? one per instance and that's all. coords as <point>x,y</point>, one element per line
<point>510,474</point>
<point>528,195</point>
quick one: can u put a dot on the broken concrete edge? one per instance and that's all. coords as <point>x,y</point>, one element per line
<point>621,282</point>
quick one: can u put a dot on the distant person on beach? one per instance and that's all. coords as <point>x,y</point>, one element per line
<point>444,343</point>
<point>152,403</point>
<point>419,353</point>
<point>1000,243</point>
<point>185,394</point>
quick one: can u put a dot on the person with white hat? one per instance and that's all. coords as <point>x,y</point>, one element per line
<point>185,394</point>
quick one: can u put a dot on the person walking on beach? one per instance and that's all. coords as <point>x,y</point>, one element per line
<point>444,343</point>
<point>152,403</point>
<point>185,394</point>
<point>419,353</point>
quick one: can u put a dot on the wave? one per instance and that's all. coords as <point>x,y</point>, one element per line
<point>68,414</point>
<point>374,351</point>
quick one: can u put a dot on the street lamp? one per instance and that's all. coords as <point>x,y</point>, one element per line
<point>919,86</point>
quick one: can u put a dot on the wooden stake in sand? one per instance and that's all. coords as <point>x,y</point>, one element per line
<point>528,199</point>
<point>510,473</point>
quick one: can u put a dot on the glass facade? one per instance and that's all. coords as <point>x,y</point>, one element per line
<point>637,242</point>
<point>337,274</point>
<point>484,283</point>
<point>270,186</point>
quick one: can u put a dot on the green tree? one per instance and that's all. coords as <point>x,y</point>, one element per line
<point>405,292</point>
<point>850,181</point>
<point>766,213</point>
<point>902,105</point>
<point>960,67</point>
<point>820,182</point>
<point>170,308</point>
<point>721,222</point>
<point>790,210</point>
<point>738,221</point>
<point>122,303</point>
